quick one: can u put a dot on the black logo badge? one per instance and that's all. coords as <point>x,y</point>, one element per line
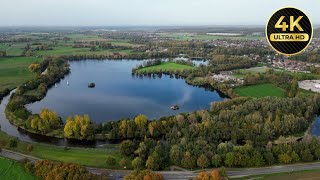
<point>289,31</point>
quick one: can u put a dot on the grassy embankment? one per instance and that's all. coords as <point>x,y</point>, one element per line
<point>165,66</point>
<point>260,90</point>
<point>12,170</point>
<point>93,157</point>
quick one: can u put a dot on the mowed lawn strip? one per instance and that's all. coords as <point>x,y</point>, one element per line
<point>260,90</point>
<point>14,71</point>
<point>166,66</point>
<point>92,157</point>
<point>10,169</point>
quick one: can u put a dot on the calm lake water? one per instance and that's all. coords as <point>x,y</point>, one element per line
<point>119,94</point>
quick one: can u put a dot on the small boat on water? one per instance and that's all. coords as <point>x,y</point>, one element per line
<point>175,107</point>
<point>55,85</point>
<point>91,85</point>
<point>68,83</point>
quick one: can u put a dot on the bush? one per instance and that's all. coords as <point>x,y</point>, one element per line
<point>29,167</point>
<point>13,143</point>
<point>29,147</point>
<point>123,163</point>
<point>111,160</point>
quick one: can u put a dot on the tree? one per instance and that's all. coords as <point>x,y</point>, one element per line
<point>203,176</point>
<point>317,153</point>
<point>29,147</point>
<point>13,143</point>
<point>35,68</point>
<point>215,175</point>
<point>175,155</point>
<point>306,155</point>
<point>137,163</point>
<point>127,147</point>
<point>268,156</point>
<point>151,164</point>
<point>295,157</point>
<point>141,121</point>
<point>188,161</point>
<point>216,160</point>
<point>79,128</point>
<point>230,158</point>
<point>284,158</point>
<point>203,161</point>
<point>123,163</point>
<point>111,160</point>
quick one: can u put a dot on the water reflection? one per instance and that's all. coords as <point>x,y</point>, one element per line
<point>120,94</point>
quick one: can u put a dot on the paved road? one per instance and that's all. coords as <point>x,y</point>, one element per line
<point>118,174</point>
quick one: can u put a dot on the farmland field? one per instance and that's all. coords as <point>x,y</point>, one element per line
<point>68,50</point>
<point>12,170</point>
<point>259,90</point>
<point>14,71</point>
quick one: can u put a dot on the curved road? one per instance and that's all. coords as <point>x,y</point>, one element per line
<point>118,174</point>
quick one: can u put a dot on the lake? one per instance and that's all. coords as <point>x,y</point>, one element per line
<point>119,94</point>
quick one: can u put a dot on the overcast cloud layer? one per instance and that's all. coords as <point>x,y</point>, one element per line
<point>146,12</point>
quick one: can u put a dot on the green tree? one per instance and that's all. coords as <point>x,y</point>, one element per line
<point>230,159</point>
<point>137,163</point>
<point>127,147</point>
<point>203,161</point>
<point>188,161</point>
<point>284,158</point>
<point>306,155</point>
<point>152,164</point>
<point>216,160</point>
<point>111,160</point>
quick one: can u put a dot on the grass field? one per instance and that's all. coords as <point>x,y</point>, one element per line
<point>14,71</point>
<point>12,170</point>
<point>16,49</point>
<point>259,90</point>
<point>165,66</point>
<point>93,157</point>
<point>68,50</point>
<point>297,175</point>
<point>3,46</point>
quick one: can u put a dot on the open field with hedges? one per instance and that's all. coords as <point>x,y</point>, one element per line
<point>260,90</point>
<point>14,71</point>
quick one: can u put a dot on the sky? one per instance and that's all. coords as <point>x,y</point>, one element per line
<point>146,12</point>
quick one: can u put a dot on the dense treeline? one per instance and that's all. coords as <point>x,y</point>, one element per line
<point>145,175</point>
<point>235,133</point>
<point>224,63</point>
<point>46,170</point>
<point>311,57</point>
<point>79,128</point>
<point>44,122</point>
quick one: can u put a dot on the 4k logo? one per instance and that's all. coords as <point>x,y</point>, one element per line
<point>289,31</point>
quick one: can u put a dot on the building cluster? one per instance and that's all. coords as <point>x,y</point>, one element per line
<point>228,78</point>
<point>292,66</point>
